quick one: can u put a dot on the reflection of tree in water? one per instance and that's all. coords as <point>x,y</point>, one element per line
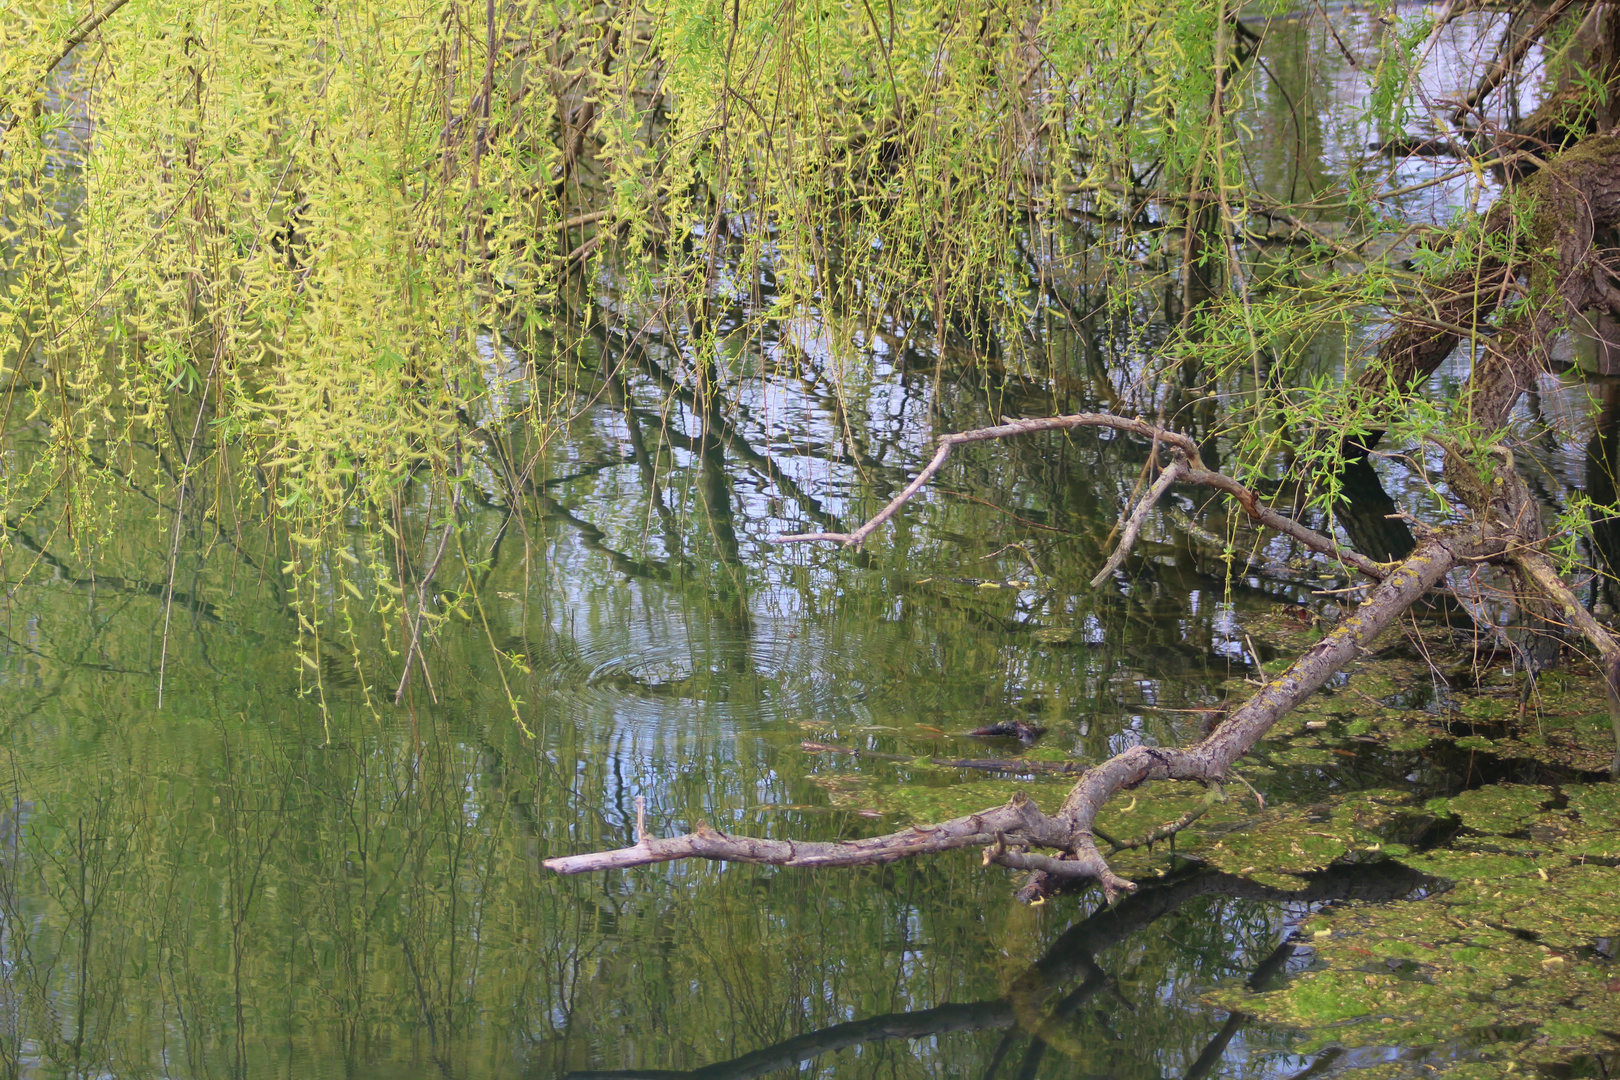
<point>1042,1013</point>
<point>1602,468</point>
<point>274,899</point>
<point>1368,514</point>
<point>271,903</point>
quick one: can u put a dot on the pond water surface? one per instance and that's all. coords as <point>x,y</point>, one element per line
<point>267,869</point>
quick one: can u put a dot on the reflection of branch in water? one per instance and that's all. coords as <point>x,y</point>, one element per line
<point>593,537</point>
<point>725,431</point>
<point>619,390</point>
<point>83,665</point>
<point>975,1016</point>
<point>107,581</point>
<point>1072,954</point>
<point>596,539</point>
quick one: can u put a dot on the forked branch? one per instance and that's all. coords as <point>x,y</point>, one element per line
<point>1011,834</point>
<point>1185,462</point>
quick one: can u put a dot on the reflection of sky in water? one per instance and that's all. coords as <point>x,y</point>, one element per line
<point>1310,83</point>
<point>670,666</point>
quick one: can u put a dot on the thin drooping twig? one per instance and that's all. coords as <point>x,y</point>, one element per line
<point>421,600</point>
<point>415,644</point>
<point>213,368</point>
<point>179,518</point>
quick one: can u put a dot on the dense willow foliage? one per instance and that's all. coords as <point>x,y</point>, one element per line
<point>328,220</point>
<point>333,250</point>
<point>330,250</point>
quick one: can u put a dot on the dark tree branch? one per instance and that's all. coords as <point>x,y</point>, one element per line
<point>1509,59</point>
<point>89,27</point>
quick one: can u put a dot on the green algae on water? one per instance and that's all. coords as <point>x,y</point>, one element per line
<point>1515,935</point>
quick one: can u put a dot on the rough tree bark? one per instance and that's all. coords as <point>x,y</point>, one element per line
<point>1553,264</point>
<point>1539,265</point>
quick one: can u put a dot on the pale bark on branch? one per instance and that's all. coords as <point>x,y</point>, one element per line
<point>1194,473</point>
<point>1011,834</point>
<point>1133,524</point>
<point>1540,571</point>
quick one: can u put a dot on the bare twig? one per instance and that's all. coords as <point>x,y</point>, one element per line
<point>947,443</point>
<point>421,601</point>
<point>1195,474</point>
<point>1213,798</point>
<point>1133,524</point>
<point>1509,60</point>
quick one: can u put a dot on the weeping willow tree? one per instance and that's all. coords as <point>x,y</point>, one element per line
<point>336,255</point>
<point>325,250</point>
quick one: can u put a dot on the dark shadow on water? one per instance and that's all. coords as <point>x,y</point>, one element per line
<point>1366,514</point>
<point>1602,466</point>
<point>1068,976</point>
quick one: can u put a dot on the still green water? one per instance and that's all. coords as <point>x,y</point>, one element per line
<point>267,870</point>
<point>242,883</point>
<point>235,884</point>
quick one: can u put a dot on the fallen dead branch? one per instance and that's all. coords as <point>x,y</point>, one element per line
<point>1573,198</point>
<point>1017,835</point>
<point>1012,833</point>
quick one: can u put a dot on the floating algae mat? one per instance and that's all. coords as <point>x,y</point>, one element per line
<point>1499,960</point>
<point>1509,954</point>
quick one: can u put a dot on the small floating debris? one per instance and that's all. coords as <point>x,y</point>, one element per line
<point>1011,729</point>
<point>1055,635</point>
